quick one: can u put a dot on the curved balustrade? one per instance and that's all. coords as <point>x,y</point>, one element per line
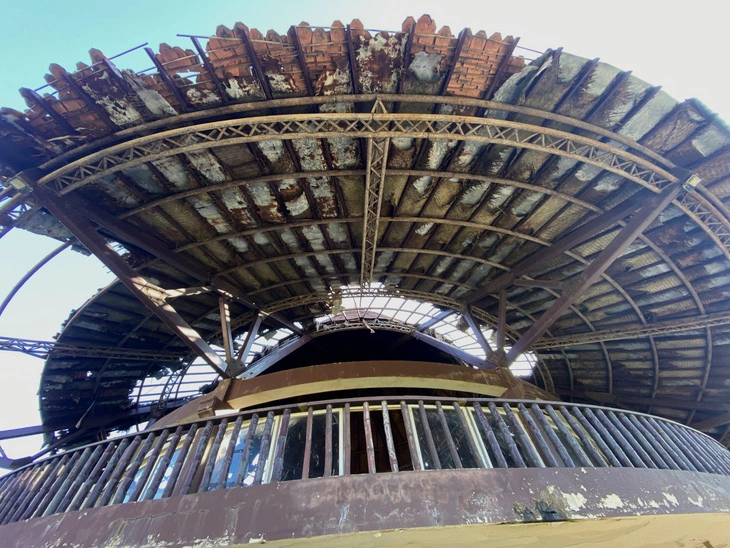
<point>352,436</point>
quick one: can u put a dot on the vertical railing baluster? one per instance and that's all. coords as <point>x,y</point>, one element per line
<point>151,461</point>
<point>328,441</point>
<point>265,446</point>
<point>56,486</point>
<point>112,482</point>
<point>447,434</point>
<point>410,438</point>
<point>389,437</point>
<point>714,451</point>
<point>27,480</point>
<point>132,469</point>
<point>696,449</point>
<point>308,443</point>
<point>469,437</point>
<point>552,436</point>
<point>180,461</point>
<point>532,457</point>
<point>632,439</point>
<point>657,452</point>
<point>228,458</point>
<point>605,436</point>
<point>658,434</point>
<point>91,479</point>
<point>347,434</point>
<point>197,458</point>
<point>369,445</point>
<point>281,445</point>
<point>537,437</point>
<point>27,510</point>
<point>568,438</point>
<point>492,442</point>
<point>681,446</point>
<point>429,436</point>
<point>594,435</point>
<point>627,447</point>
<point>70,492</point>
<point>246,451</point>
<point>154,485</point>
<point>213,456</point>
<point>507,436</point>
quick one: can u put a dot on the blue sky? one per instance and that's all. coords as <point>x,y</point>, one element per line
<point>679,45</point>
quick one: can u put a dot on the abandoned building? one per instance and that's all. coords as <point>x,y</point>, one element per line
<point>374,287</point>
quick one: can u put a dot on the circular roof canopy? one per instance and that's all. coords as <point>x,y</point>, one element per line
<point>281,175</point>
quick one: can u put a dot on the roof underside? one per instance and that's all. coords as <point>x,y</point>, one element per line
<point>251,162</point>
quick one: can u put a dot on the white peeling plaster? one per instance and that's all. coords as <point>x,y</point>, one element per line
<point>288,237</point>
<point>488,240</point>
<point>402,143</point>
<point>710,140</point>
<point>714,268</point>
<point>207,165</point>
<point>383,260</point>
<point>320,187</point>
<point>211,214</point>
<point>608,183</point>
<point>239,244</point>
<point>281,83</point>
<point>648,116</point>
<point>348,260</point>
<point>425,66</point>
<point>315,237</point>
<point>424,229</point>
<point>337,82</point>
<point>655,270</point>
<point>393,48</point>
<point>504,155</point>
<point>439,149</point>
<point>239,90</point>
<point>326,262</point>
<point>587,173</point>
<point>611,501</point>
<point>574,501</point>
<point>422,185</point>
<point>697,502</point>
<point>515,84</point>
<point>261,238</point>
<point>671,499</point>
<point>298,205</point>
<point>261,194</point>
<point>273,150</point>
<point>310,157</point>
<point>527,204</point>
<point>474,194</point>
<point>344,152</point>
<point>500,197</point>
<point>442,265</point>
<point>569,66</point>
<point>634,88</point>
<point>122,197</point>
<point>306,266</point>
<point>120,111</point>
<point>502,252</point>
<point>173,170</point>
<point>479,274</point>
<point>468,152</point>
<point>461,269</point>
<point>202,96</point>
<point>563,166</point>
<point>337,233</point>
<point>154,102</point>
<point>142,176</point>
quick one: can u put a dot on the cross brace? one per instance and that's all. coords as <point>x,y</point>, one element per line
<point>377,159</point>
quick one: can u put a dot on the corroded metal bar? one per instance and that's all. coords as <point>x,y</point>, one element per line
<point>592,436</point>
<point>657,442</point>
<point>469,438</point>
<point>153,487</point>
<point>228,458</point>
<point>521,437</point>
<point>181,456</point>
<point>410,438</point>
<point>679,444</point>
<point>280,445</point>
<point>491,438</point>
<point>632,449</point>
<point>111,483</point>
<point>91,479</point>
<point>131,471</point>
<point>537,437</point>
<point>429,436</point>
<point>213,456</point>
<point>308,443</point>
<point>26,511</point>
<point>56,485</point>
<point>552,436</point>
<point>328,441</point>
<point>672,449</point>
<point>151,461</point>
<point>507,436</point>
<point>81,475</point>
<point>96,491</point>
<point>692,449</point>
<point>447,434</point>
<point>246,451</point>
<point>369,446</point>
<point>348,439</point>
<point>197,458</point>
<point>642,442</point>
<point>264,451</point>
<point>389,437</point>
<point>569,439</point>
<point>12,485</point>
<point>604,435</point>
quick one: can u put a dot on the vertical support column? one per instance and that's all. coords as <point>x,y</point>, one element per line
<point>225,312</point>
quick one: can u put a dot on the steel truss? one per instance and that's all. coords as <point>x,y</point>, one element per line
<point>42,349</point>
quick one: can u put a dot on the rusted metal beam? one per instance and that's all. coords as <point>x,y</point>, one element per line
<point>236,367</point>
<point>577,286</point>
<point>150,296</point>
<point>42,349</point>
<point>168,81</point>
<point>478,335</point>
<point>225,314</point>
<point>210,69</point>
<point>453,351</point>
<point>268,361</point>
<point>33,97</point>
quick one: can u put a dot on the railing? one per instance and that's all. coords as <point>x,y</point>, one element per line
<point>354,436</point>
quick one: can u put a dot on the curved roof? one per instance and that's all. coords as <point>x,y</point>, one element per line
<point>283,170</point>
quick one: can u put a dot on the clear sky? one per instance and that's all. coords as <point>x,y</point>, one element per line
<point>681,46</point>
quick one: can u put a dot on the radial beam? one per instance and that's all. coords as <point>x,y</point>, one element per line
<point>41,349</point>
<point>152,297</point>
<point>453,351</point>
<point>237,365</point>
<point>478,335</point>
<point>578,285</point>
<point>377,160</point>
<point>268,361</point>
